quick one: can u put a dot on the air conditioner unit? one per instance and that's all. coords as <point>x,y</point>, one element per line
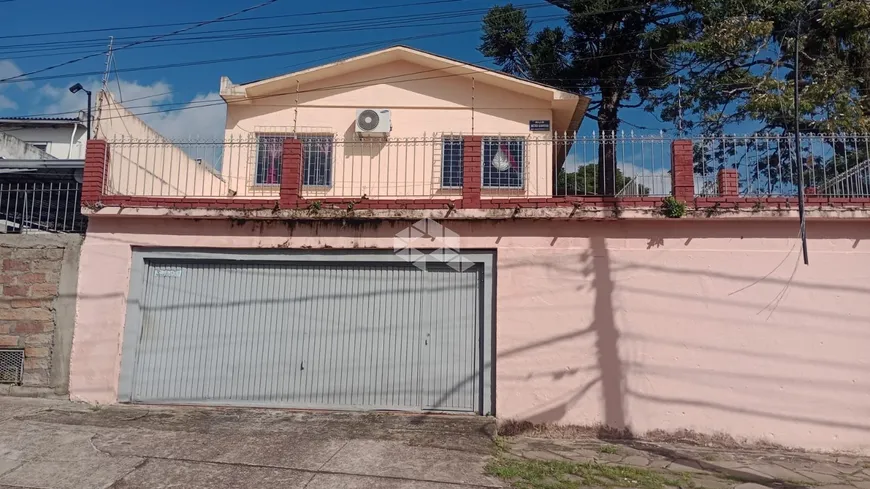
<point>373,122</point>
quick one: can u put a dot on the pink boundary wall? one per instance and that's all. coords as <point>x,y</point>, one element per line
<point>712,326</point>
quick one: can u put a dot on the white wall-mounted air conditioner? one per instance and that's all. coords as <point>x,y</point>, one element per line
<point>373,122</point>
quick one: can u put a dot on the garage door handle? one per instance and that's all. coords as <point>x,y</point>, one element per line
<point>426,341</point>
<point>302,365</point>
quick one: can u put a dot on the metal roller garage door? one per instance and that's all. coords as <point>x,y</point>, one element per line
<point>364,331</point>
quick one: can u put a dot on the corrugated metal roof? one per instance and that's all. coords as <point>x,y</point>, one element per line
<point>41,119</point>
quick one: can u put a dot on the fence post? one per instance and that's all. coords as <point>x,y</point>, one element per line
<point>291,174</point>
<point>682,170</point>
<point>94,174</point>
<point>728,182</point>
<point>471,171</point>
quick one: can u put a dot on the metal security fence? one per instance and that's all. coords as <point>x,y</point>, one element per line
<point>204,168</point>
<point>425,167</point>
<point>47,200</point>
<point>614,164</point>
<point>433,166</point>
<point>768,165</point>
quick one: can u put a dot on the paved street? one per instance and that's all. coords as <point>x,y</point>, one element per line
<point>62,445</point>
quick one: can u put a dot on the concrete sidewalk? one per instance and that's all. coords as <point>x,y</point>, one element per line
<point>63,445</point>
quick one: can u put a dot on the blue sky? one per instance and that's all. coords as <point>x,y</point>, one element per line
<point>185,84</point>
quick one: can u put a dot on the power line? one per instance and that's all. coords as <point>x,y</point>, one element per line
<point>236,58</point>
<point>295,32</point>
<point>247,19</point>
<point>161,36</point>
<point>359,84</point>
<point>335,24</point>
<point>270,55</point>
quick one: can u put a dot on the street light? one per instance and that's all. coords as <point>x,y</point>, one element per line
<point>76,89</point>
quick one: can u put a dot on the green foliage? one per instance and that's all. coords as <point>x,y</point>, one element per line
<point>585,181</point>
<point>741,66</point>
<point>734,60</point>
<point>673,208</point>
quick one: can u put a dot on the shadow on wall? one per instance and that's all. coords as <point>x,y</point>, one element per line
<point>596,267</point>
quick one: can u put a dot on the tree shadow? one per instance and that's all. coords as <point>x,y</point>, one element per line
<point>607,335</point>
<point>596,266</point>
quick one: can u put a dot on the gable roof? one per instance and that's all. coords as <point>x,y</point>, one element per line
<point>568,108</point>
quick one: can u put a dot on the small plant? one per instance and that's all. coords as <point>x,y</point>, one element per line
<point>315,206</point>
<point>712,211</point>
<point>617,211</point>
<point>673,208</point>
<point>758,207</point>
<point>350,206</point>
<point>608,449</point>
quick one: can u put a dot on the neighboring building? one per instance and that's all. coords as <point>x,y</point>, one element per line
<point>301,282</point>
<point>143,162</point>
<point>61,138</point>
<point>41,162</point>
<point>41,226</point>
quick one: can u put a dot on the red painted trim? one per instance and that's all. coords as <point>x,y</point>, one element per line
<point>94,172</point>
<point>291,174</point>
<point>472,149</point>
<point>682,169</point>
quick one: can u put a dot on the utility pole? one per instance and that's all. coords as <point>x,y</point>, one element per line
<point>797,141</point>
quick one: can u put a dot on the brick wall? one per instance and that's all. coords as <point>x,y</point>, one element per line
<point>31,307</point>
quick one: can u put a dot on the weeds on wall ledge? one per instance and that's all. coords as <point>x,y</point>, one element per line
<point>673,208</point>
<point>315,206</point>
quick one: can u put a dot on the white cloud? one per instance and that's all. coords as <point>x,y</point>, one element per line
<point>201,117</point>
<point>7,103</point>
<point>9,69</point>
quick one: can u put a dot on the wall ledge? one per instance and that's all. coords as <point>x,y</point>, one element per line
<point>552,213</point>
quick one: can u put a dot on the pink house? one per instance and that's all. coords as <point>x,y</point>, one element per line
<point>396,231</point>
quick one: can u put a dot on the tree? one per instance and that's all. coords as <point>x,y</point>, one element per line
<point>621,47</point>
<point>743,66</point>
<point>584,181</point>
<point>742,69</point>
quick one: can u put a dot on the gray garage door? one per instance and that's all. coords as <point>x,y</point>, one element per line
<point>320,334</point>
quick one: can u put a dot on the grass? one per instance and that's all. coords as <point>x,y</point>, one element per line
<point>556,474</point>
<point>501,444</point>
<point>608,449</point>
